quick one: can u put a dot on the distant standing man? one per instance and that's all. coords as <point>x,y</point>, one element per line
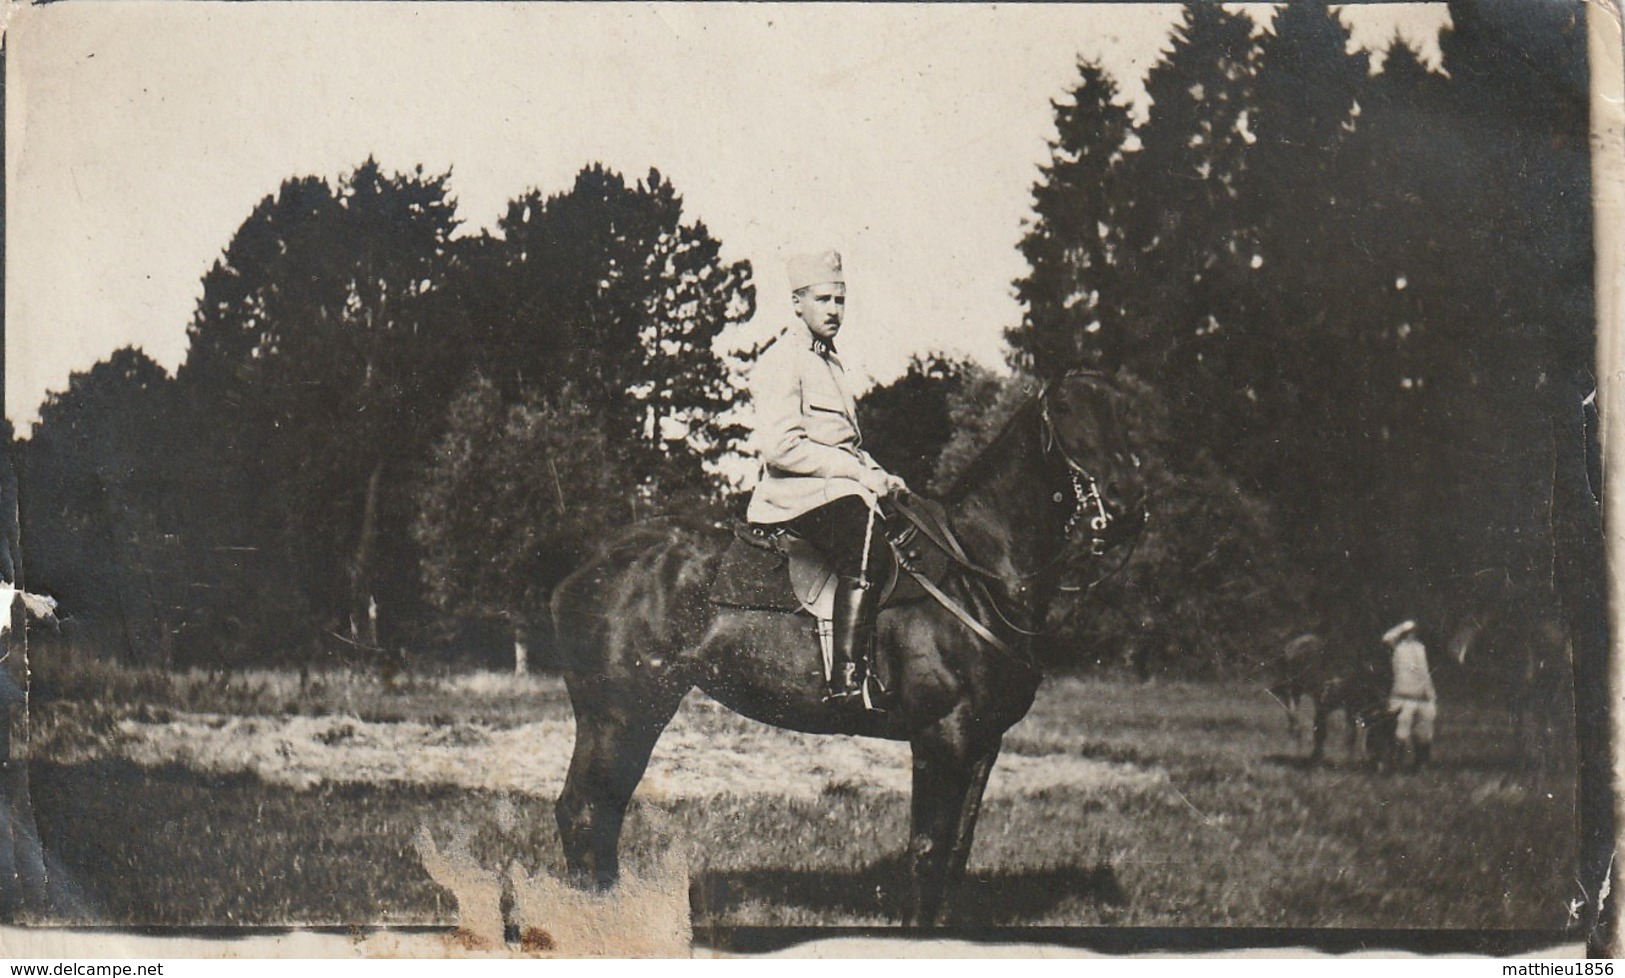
<point>1412,702</point>
<point>816,478</point>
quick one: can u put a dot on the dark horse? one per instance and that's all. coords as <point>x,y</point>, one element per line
<point>636,632</point>
<point>1337,675</point>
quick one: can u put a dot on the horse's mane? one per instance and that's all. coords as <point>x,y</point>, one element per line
<point>975,469</point>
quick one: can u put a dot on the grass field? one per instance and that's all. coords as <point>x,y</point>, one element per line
<point>200,801</point>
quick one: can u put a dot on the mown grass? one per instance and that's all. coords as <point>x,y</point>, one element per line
<point>494,699</point>
<point>1237,835</point>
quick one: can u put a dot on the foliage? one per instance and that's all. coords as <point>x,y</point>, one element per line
<point>978,411</point>
<point>512,497</point>
<point>1074,243</point>
<point>1209,588</point>
<point>1351,310</point>
<point>1184,245</point>
<point>131,523</point>
<point>908,422</point>
<point>599,399</point>
<point>606,291</point>
<point>359,382</point>
<point>94,452</point>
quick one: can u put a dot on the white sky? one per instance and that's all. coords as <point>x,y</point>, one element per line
<point>140,135</point>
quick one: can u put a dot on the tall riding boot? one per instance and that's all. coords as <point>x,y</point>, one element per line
<point>854,625</point>
<point>1423,752</point>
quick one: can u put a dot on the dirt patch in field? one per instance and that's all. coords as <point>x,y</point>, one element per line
<point>702,754</point>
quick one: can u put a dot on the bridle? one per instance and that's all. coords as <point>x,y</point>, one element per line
<point>1086,496</point>
<point>1086,493</point>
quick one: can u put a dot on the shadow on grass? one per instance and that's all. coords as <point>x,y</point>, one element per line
<point>988,898</point>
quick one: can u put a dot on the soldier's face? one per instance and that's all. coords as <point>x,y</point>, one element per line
<point>821,307</point>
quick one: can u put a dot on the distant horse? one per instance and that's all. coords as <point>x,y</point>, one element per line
<point>1309,668</point>
<point>636,632</point>
<point>1522,644</point>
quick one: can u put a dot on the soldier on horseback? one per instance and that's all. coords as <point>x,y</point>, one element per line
<point>816,479</point>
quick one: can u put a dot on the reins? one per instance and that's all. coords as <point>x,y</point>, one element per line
<point>970,621</point>
<point>944,538</point>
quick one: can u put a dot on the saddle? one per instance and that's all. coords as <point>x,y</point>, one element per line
<point>770,568</point>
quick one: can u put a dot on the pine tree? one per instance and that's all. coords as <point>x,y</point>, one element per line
<point>1301,431</point>
<point>1186,243</point>
<point>1073,292</point>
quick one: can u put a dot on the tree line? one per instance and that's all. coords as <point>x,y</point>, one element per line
<point>382,429</point>
<point>1361,301</point>
<point>1346,305</point>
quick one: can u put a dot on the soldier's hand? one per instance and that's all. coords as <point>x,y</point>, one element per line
<point>895,486</point>
<point>876,481</point>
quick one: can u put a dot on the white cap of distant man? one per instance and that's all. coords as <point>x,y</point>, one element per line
<point>819,269</point>
<point>1399,631</point>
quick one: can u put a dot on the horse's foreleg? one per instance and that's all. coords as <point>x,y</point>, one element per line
<point>944,773</point>
<point>969,812</point>
<point>612,749</point>
<point>1294,725</point>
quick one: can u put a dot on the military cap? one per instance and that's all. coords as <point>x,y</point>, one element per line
<point>819,269</point>
<point>1399,631</point>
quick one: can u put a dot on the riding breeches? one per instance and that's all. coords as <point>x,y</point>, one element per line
<point>1415,719</point>
<point>838,529</point>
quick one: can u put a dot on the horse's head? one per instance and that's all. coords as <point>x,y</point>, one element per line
<point>1084,430</point>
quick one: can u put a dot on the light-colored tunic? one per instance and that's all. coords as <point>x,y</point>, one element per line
<point>806,431</point>
<point>1411,677</point>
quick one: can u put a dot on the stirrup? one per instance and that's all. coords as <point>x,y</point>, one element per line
<point>848,689</point>
<point>875,694</point>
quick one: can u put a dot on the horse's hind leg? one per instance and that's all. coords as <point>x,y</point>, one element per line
<point>1323,714</point>
<point>613,744</point>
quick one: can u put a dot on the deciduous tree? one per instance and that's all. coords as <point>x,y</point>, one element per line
<point>326,345</point>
